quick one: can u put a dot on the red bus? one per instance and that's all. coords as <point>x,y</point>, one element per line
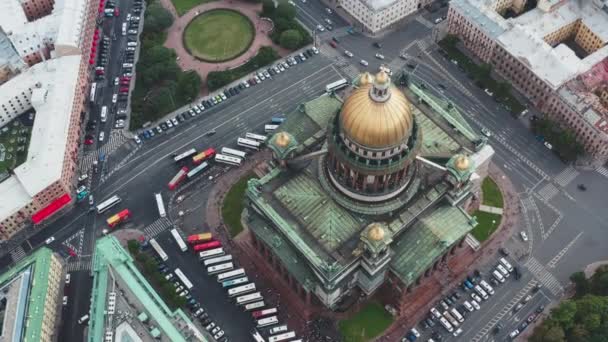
<point>199,238</point>
<point>115,220</point>
<point>206,246</point>
<point>206,154</point>
<point>178,178</point>
<point>261,313</point>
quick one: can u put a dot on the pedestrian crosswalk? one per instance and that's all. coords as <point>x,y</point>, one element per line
<point>17,254</point>
<point>602,170</point>
<point>424,21</point>
<point>544,276</point>
<point>80,264</point>
<point>548,191</point>
<point>117,138</point>
<point>566,176</point>
<point>157,227</point>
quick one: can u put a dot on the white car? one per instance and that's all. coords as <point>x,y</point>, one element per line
<point>210,326</point>
<point>174,120</point>
<point>488,92</point>
<point>524,236</point>
<point>215,330</point>
<point>437,21</point>
<point>320,28</point>
<point>364,62</point>
<point>130,48</point>
<point>137,140</point>
<point>132,32</point>
<point>514,333</point>
<point>327,10</point>
<point>475,305</point>
<point>435,312</point>
<point>83,177</point>
<point>119,124</point>
<point>81,188</point>
<point>49,240</point>
<point>114,98</point>
<point>379,56</point>
<point>65,300</point>
<point>116,80</point>
<point>219,335</point>
<point>315,50</point>
<point>169,123</point>
<point>487,287</point>
<point>547,145</point>
<point>68,277</point>
<point>102,135</point>
<point>468,306</point>
<point>223,96</point>
<point>281,67</point>
<point>458,332</point>
<point>348,53</point>
<point>476,297</point>
<point>486,132</point>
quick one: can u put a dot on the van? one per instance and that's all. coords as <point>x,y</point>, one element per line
<point>451,319</point>
<point>506,264</point>
<point>498,276</point>
<point>457,315</point>
<point>446,324</point>
<point>481,292</point>
<point>487,287</point>
<point>83,319</point>
<point>104,114</point>
<point>503,270</point>
<point>132,44</point>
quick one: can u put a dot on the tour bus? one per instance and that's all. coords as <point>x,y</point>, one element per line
<point>230,160</point>
<point>279,329</point>
<point>270,128</point>
<point>506,264</point>
<point>257,337</point>
<point>182,277</point>
<point>217,260</point>
<point>255,305</point>
<point>118,218</point>
<point>178,239</point>
<point>277,120</point>
<point>446,324</point>
<point>184,155</point>
<point>232,152</point>
<point>196,239</point>
<point>282,337</point>
<point>237,281</point>
<point>220,268</point>
<point>208,245</point>
<point>197,170</point>
<point>261,313</point>
<point>178,178</point>
<point>160,204</point>
<point>104,113</point>
<point>211,253</point>
<point>339,84</point>
<point>264,322</point>
<point>248,298</point>
<point>201,157</point>
<point>257,137</point>
<point>241,290</point>
<point>230,275</point>
<point>161,253</point>
<point>93,92</point>
<point>107,204</point>
<point>248,143</point>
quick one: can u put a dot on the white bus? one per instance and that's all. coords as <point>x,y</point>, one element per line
<point>107,204</point>
<point>279,329</point>
<point>161,253</point>
<point>220,268</point>
<point>270,128</point>
<point>252,144</point>
<point>339,84</point>
<point>160,204</point>
<point>241,290</point>
<point>232,152</point>
<point>257,337</point>
<point>249,298</point>
<point>197,170</point>
<point>282,337</point>
<point>217,260</point>
<point>93,91</point>
<point>183,279</point>
<point>222,158</point>
<point>211,253</point>
<point>257,137</point>
<point>178,239</point>
<point>254,305</point>
<point>264,322</point>
<point>229,275</point>
<point>179,157</point>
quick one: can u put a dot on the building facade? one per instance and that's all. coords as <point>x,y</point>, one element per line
<point>375,16</point>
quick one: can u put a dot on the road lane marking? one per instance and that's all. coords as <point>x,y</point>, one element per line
<point>557,258</point>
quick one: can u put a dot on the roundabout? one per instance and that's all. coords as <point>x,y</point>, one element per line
<point>218,35</point>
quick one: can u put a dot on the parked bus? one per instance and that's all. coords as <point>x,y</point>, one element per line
<point>252,144</point>
<point>160,204</point>
<point>220,268</point>
<point>182,277</point>
<point>257,337</point>
<point>237,281</point>
<point>257,137</point>
<point>211,253</point>
<point>93,92</point>
<point>261,313</point>
<point>277,120</point>
<point>195,239</point>
<point>182,156</point>
<point>161,253</point>
<point>230,275</point>
<point>264,322</point>
<point>249,298</point>
<point>339,84</point>
<point>232,152</point>
<point>178,239</point>
<point>270,128</point>
<point>107,204</point>
<point>197,170</point>
<point>241,290</point>
<point>207,245</point>
<point>282,337</point>
<point>279,329</point>
<point>230,160</point>
<point>178,178</point>
<point>217,260</point>
<point>118,218</point>
<point>254,305</point>
<point>201,157</point>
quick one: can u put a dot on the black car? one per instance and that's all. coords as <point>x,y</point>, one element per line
<point>163,126</point>
<point>335,39</point>
<point>378,45</point>
<point>227,93</point>
<point>232,92</point>
<point>241,86</point>
<point>271,71</point>
<point>236,90</point>
<point>99,77</point>
<point>298,59</point>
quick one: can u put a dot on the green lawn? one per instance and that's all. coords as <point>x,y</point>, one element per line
<point>233,205</point>
<point>486,225</point>
<point>366,324</point>
<point>218,35</point>
<point>491,193</point>
<point>183,6</point>
<point>14,141</point>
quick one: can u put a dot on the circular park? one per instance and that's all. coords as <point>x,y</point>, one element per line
<point>218,35</point>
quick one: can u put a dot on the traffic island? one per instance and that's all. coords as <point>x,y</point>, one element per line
<point>489,214</point>
<point>233,205</point>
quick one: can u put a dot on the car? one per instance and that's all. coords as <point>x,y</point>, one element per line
<point>266,74</point>
<point>523,236</point>
<point>487,91</point>
<point>327,10</point>
<point>444,304</point>
<point>88,141</point>
<point>548,145</point>
<point>210,326</point>
<point>174,121</point>
<point>476,297</point>
<point>513,334</point>
<point>65,300</point>
<point>379,56</point>
<point>315,50</point>
<point>159,129</point>
<point>475,305</point>
<point>438,20</point>
<point>468,306</point>
<point>377,45</point>
<point>348,53</point>
<point>218,334</point>
<point>215,330</point>
<point>320,28</point>
<point>457,332</point>
<point>449,301</point>
<point>429,322</point>
<point>333,44</point>
<point>119,124</point>
<point>49,240</point>
<point>364,62</point>
<point>486,132</point>
<point>435,312</point>
<point>132,31</point>
<point>81,189</point>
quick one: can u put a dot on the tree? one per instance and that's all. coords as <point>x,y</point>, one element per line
<point>290,39</point>
<point>564,314</point>
<point>188,86</point>
<point>157,18</point>
<point>133,247</point>
<point>268,8</point>
<point>285,10</point>
<point>580,282</point>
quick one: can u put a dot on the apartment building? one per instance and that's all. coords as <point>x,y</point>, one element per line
<point>377,15</point>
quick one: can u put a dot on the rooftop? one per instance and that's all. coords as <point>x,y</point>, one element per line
<point>378,5</point>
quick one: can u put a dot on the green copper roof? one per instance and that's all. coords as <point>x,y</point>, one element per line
<point>311,117</point>
<point>420,245</point>
<point>435,141</point>
<point>39,262</point>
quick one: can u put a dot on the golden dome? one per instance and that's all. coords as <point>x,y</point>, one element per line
<point>282,139</point>
<point>462,163</point>
<point>382,77</point>
<point>376,124</point>
<point>376,232</point>
<point>365,79</point>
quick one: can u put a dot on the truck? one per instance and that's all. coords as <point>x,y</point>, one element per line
<point>118,218</point>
